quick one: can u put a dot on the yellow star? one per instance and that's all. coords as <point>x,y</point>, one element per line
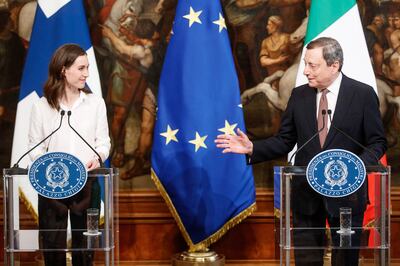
<point>169,135</point>
<point>193,17</point>
<point>199,141</point>
<point>228,129</point>
<point>220,22</point>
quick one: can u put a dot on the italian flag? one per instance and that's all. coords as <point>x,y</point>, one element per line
<point>340,19</point>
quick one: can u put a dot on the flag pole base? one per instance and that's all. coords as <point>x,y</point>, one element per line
<point>201,258</point>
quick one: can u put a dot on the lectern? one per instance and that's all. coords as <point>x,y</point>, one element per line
<point>375,236</point>
<point>18,239</point>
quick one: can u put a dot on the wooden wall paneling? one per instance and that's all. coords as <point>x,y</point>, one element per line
<point>148,234</point>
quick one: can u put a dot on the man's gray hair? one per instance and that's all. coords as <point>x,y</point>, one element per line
<point>332,51</point>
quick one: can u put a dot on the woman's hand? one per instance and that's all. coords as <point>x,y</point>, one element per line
<point>92,164</point>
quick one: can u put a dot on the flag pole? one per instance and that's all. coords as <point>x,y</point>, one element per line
<point>203,258</point>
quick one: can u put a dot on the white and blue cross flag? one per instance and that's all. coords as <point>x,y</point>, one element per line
<point>56,22</point>
<point>207,192</point>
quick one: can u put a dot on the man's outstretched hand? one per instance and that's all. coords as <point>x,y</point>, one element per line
<point>239,143</point>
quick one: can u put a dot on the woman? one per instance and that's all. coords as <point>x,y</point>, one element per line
<point>65,90</point>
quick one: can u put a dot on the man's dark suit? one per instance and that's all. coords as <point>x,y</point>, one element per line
<point>357,114</point>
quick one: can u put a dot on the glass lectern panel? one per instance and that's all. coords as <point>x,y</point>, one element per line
<point>80,226</point>
<point>370,240</point>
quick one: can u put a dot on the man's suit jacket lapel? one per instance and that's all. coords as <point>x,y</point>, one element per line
<point>310,111</point>
<point>343,104</point>
<point>311,108</point>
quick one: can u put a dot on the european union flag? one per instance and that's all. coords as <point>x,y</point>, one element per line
<point>207,192</point>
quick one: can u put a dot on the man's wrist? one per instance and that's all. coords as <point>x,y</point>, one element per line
<point>250,152</point>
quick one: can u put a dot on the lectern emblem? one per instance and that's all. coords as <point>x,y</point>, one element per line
<point>336,173</point>
<point>57,175</point>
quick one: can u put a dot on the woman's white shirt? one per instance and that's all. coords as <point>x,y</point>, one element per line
<point>88,117</point>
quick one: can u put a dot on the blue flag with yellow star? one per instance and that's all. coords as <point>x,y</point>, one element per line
<point>207,191</point>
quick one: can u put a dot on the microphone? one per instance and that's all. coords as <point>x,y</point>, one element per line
<point>69,113</point>
<point>310,139</point>
<point>62,113</point>
<point>353,140</point>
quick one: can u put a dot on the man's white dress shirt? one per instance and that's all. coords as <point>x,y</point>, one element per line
<point>332,96</point>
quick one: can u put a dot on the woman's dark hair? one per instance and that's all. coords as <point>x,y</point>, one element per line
<point>63,58</point>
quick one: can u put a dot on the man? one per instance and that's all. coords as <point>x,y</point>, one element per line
<point>355,109</point>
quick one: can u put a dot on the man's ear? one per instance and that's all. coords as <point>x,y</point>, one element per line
<point>336,65</point>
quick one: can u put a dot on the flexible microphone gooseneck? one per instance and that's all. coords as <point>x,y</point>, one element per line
<point>69,113</point>
<point>310,139</point>
<point>62,113</point>
<point>353,140</point>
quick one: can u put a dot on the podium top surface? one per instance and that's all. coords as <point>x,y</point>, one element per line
<point>24,171</point>
<point>301,170</point>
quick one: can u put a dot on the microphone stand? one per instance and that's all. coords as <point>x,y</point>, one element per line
<point>310,139</point>
<point>299,170</point>
<point>381,166</point>
<point>62,113</point>
<point>69,113</point>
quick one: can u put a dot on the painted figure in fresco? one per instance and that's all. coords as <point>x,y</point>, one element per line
<point>126,85</point>
<point>376,27</point>
<point>376,42</point>
<point>156,40</point>
<point>274,56</point>
<point>142,50</point>
<point>135,34</point>
<point>279,97</point>
<point>274,52</point>
<point>393,67</point>
<point>389,29</point>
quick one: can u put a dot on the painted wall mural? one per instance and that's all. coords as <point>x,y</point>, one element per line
<point>130,39</point>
